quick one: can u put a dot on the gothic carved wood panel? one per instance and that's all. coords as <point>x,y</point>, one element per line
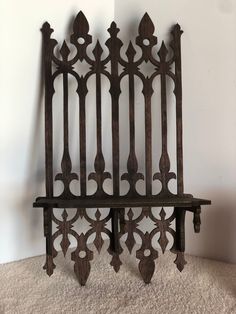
<point>114,66</point>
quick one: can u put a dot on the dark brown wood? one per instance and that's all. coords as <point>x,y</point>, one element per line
<point>48,46</point>
<point>164,175</point>
<point>166,62</point>
<point>197,219</point>
<point>132,175</point>
<point>82,256</point>
<point>146,254</point>
<point>49,265</point>
<point>99,164</point>
<point>120,202</point>
<point>66,176</point>
<point>82,139</point>
<point>176,44</point>
<point>114,44</point>
<point>180,229</point>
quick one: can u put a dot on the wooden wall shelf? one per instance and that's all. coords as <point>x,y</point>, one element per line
<point>167,63</point>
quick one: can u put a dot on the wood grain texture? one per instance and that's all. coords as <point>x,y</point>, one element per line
<point>114,66</point>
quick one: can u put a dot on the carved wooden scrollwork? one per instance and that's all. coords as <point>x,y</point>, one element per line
<point>81,39</point>
<point>147,253</point>
<point>166,63</point>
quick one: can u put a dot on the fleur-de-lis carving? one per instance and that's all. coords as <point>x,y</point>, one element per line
<point>114,43</point>
<point>48,42</point>
<point>164,176</point>
<point>66,176</point>
<point>46,29</point>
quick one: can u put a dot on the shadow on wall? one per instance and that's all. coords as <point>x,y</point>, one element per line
<point>34,184</point>
<point>32,218</point>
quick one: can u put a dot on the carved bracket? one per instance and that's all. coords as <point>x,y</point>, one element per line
<point>147,253</point>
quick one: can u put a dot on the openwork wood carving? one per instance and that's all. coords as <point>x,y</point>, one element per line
<point>167,63</point>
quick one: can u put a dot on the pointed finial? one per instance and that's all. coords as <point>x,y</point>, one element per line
<point>146,40</point>
<point>113,30</point>
<point>146,26</point>
<point>81,29</point>
<point>46,29</point>
<point>176,30</point>
<point>64,51</point>
<point>80,24</point>
<point>97,51</point>
<point>162,214</point>
<point>130,214</point>
<point>163,51</point>
<point>97,214</point>
<point>82,212</point>
<point>64,215</point>
<point>130,52</point>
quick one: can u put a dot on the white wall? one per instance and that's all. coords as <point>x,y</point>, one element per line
<point>209,111</point>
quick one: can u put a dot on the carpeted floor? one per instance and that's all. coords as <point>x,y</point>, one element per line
<point>204,286</point>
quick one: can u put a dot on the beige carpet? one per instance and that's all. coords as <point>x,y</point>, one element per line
<point>203,287</point>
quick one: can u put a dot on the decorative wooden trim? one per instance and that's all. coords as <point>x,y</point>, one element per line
<point>167,63</point>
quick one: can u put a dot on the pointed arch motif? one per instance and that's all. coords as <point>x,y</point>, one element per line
<point>166,62</point>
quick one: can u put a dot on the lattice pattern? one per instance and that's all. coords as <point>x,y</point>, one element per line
<point>82,255</point>
<point>166,63</point>
<point>64,66</point>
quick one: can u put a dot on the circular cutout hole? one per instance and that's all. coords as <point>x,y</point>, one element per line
<point>81,40</point>
<point>147,252</point>
<point>146,42</point>
<point>82,254</point>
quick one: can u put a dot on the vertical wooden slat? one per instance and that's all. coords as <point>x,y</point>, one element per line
<point>147,91</point>
<point>82,129</point>
<point>99,164</point>
<point>48,45</point>
<point>164,164</point>
<point>146,40</point>
<point>115,144</point>
<point>163,113</point>
<point>176,32</point>
<point>80,31</point>
<point>132,176</point>
<point>49,90</point>
<point>66,176</point>
<point>164,161</point>
<point>131,119</point>
<point>114,44</point>
<point>65,113</point>
<point>98,112</point>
